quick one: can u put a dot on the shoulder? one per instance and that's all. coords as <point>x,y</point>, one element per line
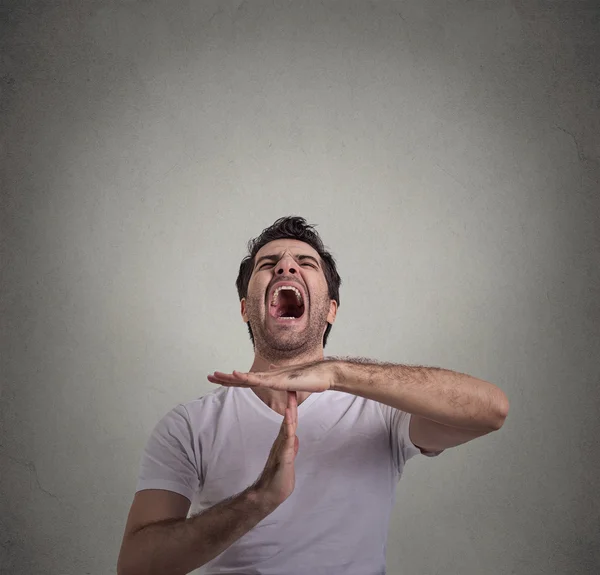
<point>190,411</point>
<point>204,411</point>
<point>211,399</point>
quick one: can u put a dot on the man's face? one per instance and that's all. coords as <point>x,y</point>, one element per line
<point>294,263</point>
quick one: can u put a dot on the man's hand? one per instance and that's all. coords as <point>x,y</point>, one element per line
<point>313,377</point>
<point>278,479</point>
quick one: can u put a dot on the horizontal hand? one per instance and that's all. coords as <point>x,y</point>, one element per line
<point>313,377</point>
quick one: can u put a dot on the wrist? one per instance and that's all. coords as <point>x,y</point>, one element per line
<point>340,376</point>
<point>260,499</point>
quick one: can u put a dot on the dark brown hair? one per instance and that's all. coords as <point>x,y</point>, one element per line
<point>295,228</point>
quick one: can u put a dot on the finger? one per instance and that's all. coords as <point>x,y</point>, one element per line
<point>290,428</point>
<point>288,446</point>
<point>293,405</point>
<point>292,399</point>
<point>223,378</point>
<point>284,431</point>
<point>295,409</point>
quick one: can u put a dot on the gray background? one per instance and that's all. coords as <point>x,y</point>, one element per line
<point>449,153</point>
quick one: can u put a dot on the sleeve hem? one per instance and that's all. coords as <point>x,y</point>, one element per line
<point>418,449</point>
<point>166,485</point>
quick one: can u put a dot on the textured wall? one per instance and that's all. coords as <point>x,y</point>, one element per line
<point>449,152</point>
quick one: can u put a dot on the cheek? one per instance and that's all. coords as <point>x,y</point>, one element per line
<point>257,295</point>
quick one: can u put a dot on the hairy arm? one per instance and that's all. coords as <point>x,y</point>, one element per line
<point>177,546</point>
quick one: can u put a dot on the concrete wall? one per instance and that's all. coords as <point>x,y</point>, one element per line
<point>449,153</point>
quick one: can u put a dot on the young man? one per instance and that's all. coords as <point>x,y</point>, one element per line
<point>294,464</point>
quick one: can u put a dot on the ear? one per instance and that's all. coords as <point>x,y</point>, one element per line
<point>332,312</point>
<point>273,366</point>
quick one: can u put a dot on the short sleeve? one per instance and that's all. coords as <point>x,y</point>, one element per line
<point>171,457</point>
<point>403,449</point>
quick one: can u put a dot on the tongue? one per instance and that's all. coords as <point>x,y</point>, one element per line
<point>288,311</point>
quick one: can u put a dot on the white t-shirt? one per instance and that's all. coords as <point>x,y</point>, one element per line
<point>351,455</point>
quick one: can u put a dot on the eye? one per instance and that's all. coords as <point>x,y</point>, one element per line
<point>304,264</point>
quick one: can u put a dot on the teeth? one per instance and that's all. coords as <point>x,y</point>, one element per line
<point>276,293</point>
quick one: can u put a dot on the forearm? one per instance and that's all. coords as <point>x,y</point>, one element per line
<point>178,546</point>
<point>447,397</point>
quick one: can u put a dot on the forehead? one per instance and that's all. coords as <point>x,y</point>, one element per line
<point>296,247</point>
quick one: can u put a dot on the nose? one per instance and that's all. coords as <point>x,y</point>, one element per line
<point>286,264</point>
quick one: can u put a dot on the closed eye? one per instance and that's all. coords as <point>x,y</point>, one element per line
<point>304,264</point>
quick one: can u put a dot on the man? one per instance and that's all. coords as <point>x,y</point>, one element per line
<point>318,499</point>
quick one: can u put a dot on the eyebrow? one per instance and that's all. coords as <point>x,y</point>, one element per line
<point>276,257</point>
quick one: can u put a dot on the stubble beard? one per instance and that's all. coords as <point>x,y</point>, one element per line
<point>286,342</point>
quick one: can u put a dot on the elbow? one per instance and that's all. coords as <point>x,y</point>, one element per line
<point>502,412</point>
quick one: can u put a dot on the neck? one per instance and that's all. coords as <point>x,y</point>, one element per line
<point>262,363</point>
<point>275,399</point>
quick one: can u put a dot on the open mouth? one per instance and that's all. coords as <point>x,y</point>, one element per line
<point>287,305</point>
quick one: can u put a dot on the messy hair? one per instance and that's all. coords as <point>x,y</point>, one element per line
<point>295,228</point>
